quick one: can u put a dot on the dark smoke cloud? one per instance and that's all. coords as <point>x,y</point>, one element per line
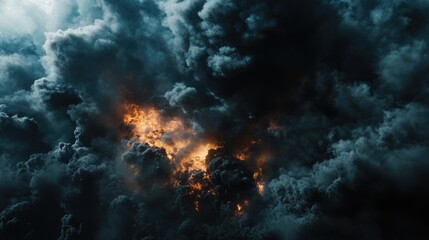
<point>335,92</point>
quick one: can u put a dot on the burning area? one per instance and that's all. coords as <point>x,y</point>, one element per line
<point>214,119</point>
<point>200,168</point>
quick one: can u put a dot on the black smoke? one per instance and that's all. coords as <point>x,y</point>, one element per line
<point>333,92</point>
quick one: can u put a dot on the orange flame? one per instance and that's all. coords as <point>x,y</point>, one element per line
<point>181,143</point>
<point>258,174</point>
<point>186,148</point>
<point>260,158</point>
<point>239,208</point>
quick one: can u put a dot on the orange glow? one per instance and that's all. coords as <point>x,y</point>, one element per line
<point>243,154</point>
<point>179,140</point>
<point>149,127</point>
<point>260,158</point>
<point>195,160</point>
<point>196,187</point>
<point>239,208</point>
<point>257,175</point>
<point>260,186</point>
<point>187,150</point>
<point>196,190</point>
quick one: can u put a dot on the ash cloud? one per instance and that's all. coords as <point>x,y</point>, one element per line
<point>333,93</point>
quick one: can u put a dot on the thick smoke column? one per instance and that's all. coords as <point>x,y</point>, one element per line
<point>214,119</point>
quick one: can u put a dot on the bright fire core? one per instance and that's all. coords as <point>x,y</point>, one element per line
<point>180,141</point>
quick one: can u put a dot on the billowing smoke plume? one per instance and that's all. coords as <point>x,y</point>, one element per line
<point>214,119</point>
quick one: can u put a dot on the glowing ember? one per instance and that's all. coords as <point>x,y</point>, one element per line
<point>197,184</point>
<point>257,175</point>
<point>187,150</point>
<point>260,185</point>
<point>243,154</point>
<point>260,158</point>
<point>179,140</point>
<point>195,160</point>
<point>239,208</point>
<point>149,127</point>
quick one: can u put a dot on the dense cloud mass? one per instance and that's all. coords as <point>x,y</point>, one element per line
<point>311,117</point>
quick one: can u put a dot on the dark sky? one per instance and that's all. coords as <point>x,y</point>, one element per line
<point>334,94</point>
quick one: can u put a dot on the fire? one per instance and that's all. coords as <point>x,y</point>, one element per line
<point>187,150</point>
<point>243,154</point>
<point>239,208</point>
<point>180,142</point>
<point>258,174</point>
<point>260,186</point>
<point>195,159</point>
<point>196,190</point>
<point>151,128</point>
<point>259,158</point>
<point>196,184</point>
